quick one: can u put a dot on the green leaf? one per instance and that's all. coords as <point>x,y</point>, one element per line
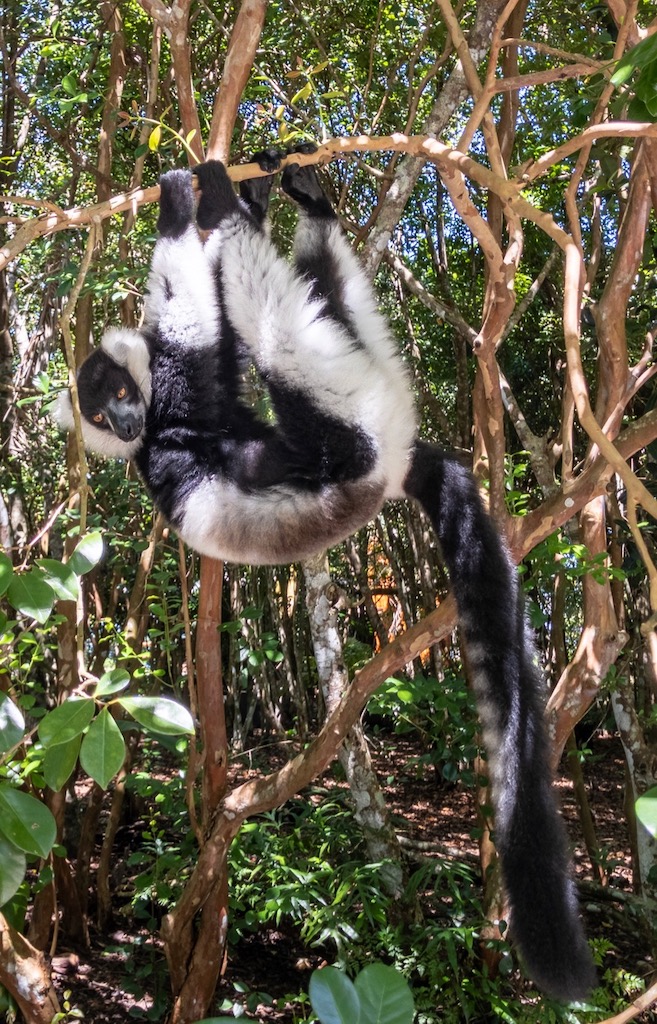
<point>638,111</point>
<point>334,998</point>
<point>385,997</point>
<point>112,682</point>
<point>154,138</point>
<point>12,723</point>
<point>59,762</point>
<point>6,573</point>
<point>66,721</point>
<point>646,810</point>
<point>159,715</point>
<point>61,578</point>
<point>103,749</point>
<point>302,94</point>
<point>69,84</point>
<point>26,822</point>
<point>12,869</point>
<point>639,56</point>
<point>30,594</point>
<point>88,553</point>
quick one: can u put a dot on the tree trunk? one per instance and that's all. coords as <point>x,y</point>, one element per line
<point>370,808</point>
<point>25,973</point>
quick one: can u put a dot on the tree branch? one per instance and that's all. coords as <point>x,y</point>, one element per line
<point>237,68</point>
<point>428,149</point>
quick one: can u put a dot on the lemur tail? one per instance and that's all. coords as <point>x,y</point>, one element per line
<point>529,834</point>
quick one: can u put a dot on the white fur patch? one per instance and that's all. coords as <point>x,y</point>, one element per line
<point>288,334</point>
<point>61,413</point>
<point>274,526</point>
<point>104,442</point>
<point>128,348</point>
<point>181,297</point>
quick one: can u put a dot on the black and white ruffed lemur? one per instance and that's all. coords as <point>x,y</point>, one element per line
<point>345,440</point>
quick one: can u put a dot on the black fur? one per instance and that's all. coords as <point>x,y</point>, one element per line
<point>529,834</point>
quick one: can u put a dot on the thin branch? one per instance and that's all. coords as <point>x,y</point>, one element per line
<point>515,82</point>
<point>65,325</point>
<point>608,130</point>
<point>439,309</point>
<point>174,22</point>
<point>531,293</point>
<point>553,51</point>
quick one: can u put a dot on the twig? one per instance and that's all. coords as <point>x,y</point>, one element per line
<point>636,1007</point>
<point>65,324</point>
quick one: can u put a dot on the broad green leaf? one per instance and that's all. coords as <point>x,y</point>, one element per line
<point>639,56</point>
<point>12,869</point>
<point>112,682</point>
<point>154,138</point>
<point>385,997</point>
<point>638,111</point>
<point>30,594</point>
<point>61,578</point>
<point>12,723</point>
<point>159,714</point>
<point>66,721</point>
<point>88,553</point>
<point>26,822</point>
<point>6,573</point>
<point>334,998</point>
<point>69,84</point>
<point>103,749</point>
<point>646,810</point>
<point>59,762</point>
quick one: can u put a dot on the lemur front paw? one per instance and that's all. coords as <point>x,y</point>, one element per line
<point>176,203</point>
<point>302,147</point>
<point>217,195</point>
<point>268,160</point>
<point>302,184</point>
<point>255,191</point>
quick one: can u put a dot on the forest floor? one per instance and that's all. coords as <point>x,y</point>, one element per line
<point>102,983</point>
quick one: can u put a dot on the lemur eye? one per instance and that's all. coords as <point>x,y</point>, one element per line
<point>121,393</point>
<point>98,418</point>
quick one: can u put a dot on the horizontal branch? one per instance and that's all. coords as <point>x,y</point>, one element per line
<point>448,160</point>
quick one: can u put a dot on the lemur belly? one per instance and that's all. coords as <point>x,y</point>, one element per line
<point>277,525</point>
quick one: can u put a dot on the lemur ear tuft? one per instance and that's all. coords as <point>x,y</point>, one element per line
<point>116,343</point>
<point>61,411</point>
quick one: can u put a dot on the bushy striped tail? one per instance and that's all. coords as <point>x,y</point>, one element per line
<point>529,834</point>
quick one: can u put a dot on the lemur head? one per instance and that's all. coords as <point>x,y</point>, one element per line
<point>114,388</point>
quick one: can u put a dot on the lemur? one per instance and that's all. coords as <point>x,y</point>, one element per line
<point>345,439</point>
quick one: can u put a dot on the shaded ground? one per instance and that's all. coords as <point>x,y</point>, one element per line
<point>105,981</point>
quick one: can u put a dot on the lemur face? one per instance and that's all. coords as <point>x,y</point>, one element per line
<point>109,397</point>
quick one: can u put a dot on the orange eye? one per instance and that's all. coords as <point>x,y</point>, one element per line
<point>98,418</point>
<point>121,393</point>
